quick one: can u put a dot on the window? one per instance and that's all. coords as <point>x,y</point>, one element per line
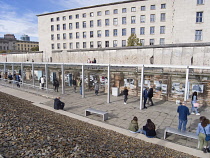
<point>52,37</point>
<point>152,7</point>
<point>91,23</point>
<point>77,16</point>
<point>133,31</point>
<point>70,17</point>
<point>91,44</point>
<point>64,26</point>
<point>123,20</point>
<point>115,11</point>
<point>106,33</point>
<point>142,30</point>
<point>142,41</point>
<point>99,44</point>
<point>107,12</point>
<point>77,45</point>
<point>124,10</point>
<point>58,45</point>
<point>123,32</point>
<point>151,42</point>
<point>115,21</point>
<point>162,41</point>
<point>64,35</point>
<point>133,9</point>
<point>58,36</point>
<point>64,18</point>
<point>99,33</point>
<point>84,45</point>
<point>133,20</point>
<point>99,23</point>
<point>115,32</point>
<point>77,34</point>
<point>58,27</point>
<point>84,15</point>
<point>52,46</point>
<point>163,6</point>
<point>198,35</point>
<point>163,17</point>
<point>123,43</point>
<point>51,19</point>
<point>106,43</point>
<point>200,1</point>
<point>162,29</point>
<point>84,24</point>
<point>152,17</point>
<point>115,43</point>
<point>199,17</point>
<point>91,14</point>
<point>70,26</point>
<point>77,25</point>
<point>106,22</point>
<point>143,8</point>
<point>71,45</point>
<point>58,19</point>
<point>91,34</point>
<point>152,30</point>
<point>99,13</point>
<point>84,34</point>
<point>70,36</point>
<point>142,18</point>
<point>64,45</point>
<point>52,27</point>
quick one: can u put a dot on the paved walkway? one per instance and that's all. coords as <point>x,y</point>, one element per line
<point>163,114</point>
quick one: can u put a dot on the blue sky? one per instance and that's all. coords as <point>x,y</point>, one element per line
<point>19,16</point>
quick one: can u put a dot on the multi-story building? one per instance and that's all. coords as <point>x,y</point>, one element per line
<point>25,38</point>
<point>25,45</point>
<point>155,22</point>
<point>7,42</point>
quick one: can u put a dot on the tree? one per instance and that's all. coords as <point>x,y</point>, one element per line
<point>35,48</point>
<point>133,41</point>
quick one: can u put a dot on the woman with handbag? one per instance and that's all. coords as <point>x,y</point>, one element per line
<point>203,132</point>
<point>194,104</point>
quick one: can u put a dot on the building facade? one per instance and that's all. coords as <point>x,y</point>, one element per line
<point>155,22</point>
<point>7,42</point>
<point>25,38</point>
<point>25,45</point>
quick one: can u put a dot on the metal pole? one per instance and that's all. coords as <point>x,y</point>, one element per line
<point>33,75</point>
<point>108,88</point>
<point>186,84</point>
<point>83,84</point>
<point>142,85</point>
<point>62,69</point>
<point>46,76</point>
<point>22,73</point>
<point>13,75</point>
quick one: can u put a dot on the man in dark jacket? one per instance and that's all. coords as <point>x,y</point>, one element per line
<point>183,113</point>
<point>125,93</point>
<point>56,84</point>
<point>74,85</point>
<point>58,104</point>
<point>145,95</point>
<point>150,95</point>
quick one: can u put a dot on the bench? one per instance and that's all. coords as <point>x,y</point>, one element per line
<point>90,110</point>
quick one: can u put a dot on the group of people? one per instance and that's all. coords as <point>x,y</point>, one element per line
<point>148,129</point>
<point>203,128</point>
<point>89,61</point>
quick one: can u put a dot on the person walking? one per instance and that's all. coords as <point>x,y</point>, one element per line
<point>202,130</point>
<point>80,84</point>
<point>183,113</point>
<point>194,100</point>
<point>150,95</point>
<point>74,85</point>
<point>42,82</point>
<point>125,93</point>
<point>96,88</point>
<point>145,95</point>
<point>56,84</point>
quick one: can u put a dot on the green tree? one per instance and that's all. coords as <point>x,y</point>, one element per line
<point>133,41</point>
<point>35,48</point>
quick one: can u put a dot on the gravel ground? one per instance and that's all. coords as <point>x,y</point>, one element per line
<point>30,131</point>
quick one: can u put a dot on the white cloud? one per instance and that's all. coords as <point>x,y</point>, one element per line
<point>70,4</point>
<point>11,22</point>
